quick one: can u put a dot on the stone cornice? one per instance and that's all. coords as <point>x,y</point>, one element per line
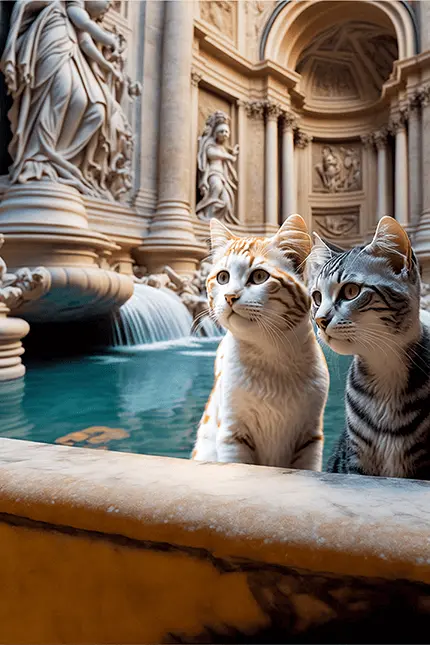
<point>225,52</point>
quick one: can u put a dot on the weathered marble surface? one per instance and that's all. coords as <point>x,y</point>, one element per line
<point>128,548</point>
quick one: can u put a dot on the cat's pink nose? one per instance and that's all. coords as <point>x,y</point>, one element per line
<point>231,298</point>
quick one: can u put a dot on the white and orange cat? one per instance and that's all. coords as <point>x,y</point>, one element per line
<point>271,378</point>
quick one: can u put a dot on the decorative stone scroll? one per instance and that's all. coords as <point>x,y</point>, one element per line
<point>339,169</point>
<point>217,175</point>
<point>66,75</point>
<point>15,288</point>
<point>25,284</point>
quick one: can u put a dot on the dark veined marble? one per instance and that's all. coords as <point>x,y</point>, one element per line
<point>306,607</point>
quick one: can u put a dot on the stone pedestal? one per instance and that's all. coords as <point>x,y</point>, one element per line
<point>45,223</point>
<point>12,330</point>
<point>171,238</point>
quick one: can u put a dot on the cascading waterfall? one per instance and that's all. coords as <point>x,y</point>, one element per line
<point>154,315</point>
<point>151,315</point>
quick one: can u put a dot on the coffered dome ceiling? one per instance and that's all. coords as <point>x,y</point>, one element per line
<point>346,65</point>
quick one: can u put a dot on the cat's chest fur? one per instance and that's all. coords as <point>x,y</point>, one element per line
<point>275,400</point>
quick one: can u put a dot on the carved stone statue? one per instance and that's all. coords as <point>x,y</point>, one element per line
<point>339,170</point>
<point>191,290</point>
<point>65,74</point>
<point>217,175</point>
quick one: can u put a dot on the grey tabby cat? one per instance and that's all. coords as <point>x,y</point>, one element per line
<point>366,302</point>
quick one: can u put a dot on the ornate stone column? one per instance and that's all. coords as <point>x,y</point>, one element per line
<point>241,162</point>
<point>289,189</point>
<point>414,159</point>
<point>401,198</point>
<point>271,163</point>
<point>422,238</point>
<point>171,239</point>
<point>381,140</point>
<point>255,182</point>
<point>196,77</point>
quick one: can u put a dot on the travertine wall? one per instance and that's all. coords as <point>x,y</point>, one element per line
<point>104,547</point>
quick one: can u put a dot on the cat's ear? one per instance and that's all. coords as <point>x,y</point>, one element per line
<point>392,242</point>
<point>294,241</point>
<point>320,254</point>
<point>220,235</point>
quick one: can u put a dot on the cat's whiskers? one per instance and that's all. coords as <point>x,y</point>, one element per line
<point>401,352</point>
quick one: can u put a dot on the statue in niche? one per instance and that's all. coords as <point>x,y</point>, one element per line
<point>217,175</point>
<point>65,74</point>
<point>339,171</point>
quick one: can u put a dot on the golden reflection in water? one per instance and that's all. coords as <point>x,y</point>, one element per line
<point>93,437</point>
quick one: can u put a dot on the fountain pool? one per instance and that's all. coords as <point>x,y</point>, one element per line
<point>145,399</point>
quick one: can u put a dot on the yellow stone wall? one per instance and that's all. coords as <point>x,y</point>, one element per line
<point>104,547</point>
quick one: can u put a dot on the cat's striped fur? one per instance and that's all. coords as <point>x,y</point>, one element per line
<point>366,303</point>
<point>271,379</point>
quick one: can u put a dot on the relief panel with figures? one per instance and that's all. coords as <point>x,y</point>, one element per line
<point>221,14</point>
<point>336,168</point>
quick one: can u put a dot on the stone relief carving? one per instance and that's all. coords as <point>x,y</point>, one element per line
<point>333,226</point>
<point>217,175</point>
<point>333,80</point>
<point>339,169</point>
<point>257,12</point>
<point>66,76</point>
<point>220,14</point>
<point>359,47</point>
<point>25,284</point>
<point>191,290</point>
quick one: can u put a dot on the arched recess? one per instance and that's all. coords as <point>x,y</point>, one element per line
<point>293,24</point>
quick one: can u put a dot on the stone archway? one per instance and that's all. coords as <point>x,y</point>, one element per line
<point>350,107</point>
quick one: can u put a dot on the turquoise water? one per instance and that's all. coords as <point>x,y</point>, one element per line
<point>150,398</point>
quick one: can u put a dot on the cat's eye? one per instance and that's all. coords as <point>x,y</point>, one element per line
<point>258,276</point>
<point>350,291</point>
<point>223,277</point>
<point>317,298</point>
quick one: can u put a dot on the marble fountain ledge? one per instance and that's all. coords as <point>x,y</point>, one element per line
<point>131,548</point>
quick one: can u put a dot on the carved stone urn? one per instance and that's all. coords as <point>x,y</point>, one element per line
<point>12,331</point>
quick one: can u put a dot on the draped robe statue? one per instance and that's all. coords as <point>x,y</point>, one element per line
<point>61,68</point>
<point>217,175</point>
